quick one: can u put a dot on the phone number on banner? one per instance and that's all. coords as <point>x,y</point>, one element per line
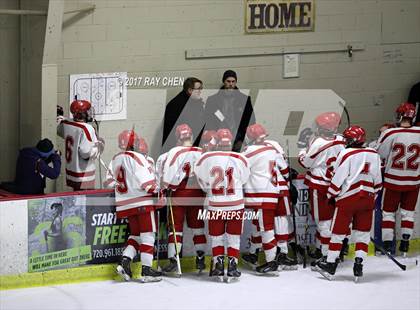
<point>105,253</point>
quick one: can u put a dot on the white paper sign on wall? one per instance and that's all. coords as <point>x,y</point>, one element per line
<point>291,66</point>
<point>105,91</point>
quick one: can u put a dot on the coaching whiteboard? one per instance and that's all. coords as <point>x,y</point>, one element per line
<point>105,91</point>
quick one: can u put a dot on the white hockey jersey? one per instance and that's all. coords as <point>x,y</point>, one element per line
<point>276,145</point>
<point>178,169</point>
<point>319,159</point>
<point>81,151</point>
<point>356,172</point>
<point>399,149</point>
<point>109,177</point>
<point>136,185</point>
<point>266,182</point>
<point>221,175</point>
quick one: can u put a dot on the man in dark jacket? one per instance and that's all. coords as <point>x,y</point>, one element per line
<point>185,108</point>
<point>231,109</point>
<point>32,168</point>
<point>414,98</point>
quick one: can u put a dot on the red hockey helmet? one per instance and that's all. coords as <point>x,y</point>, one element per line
<point>183,132</point>
<point>143,147</point>
<point>224,137</point>
<point>256,132</point>
<point>328,121</point>
<point>81,109</point>
<point>355,135</point>
<point>209,139</point>
<point>128,139</point>
<point>407,110</point>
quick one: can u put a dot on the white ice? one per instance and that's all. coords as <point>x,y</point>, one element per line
<point>383,286</point>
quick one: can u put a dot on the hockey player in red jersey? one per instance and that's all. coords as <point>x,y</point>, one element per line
<point>318,157</point>
<point>82,146</point>
<point>222,174</point>
<point>357,180</point>
<point>266,191</point>
<point>135,189</point>
<point>399,149</point>
<point>187,196</point>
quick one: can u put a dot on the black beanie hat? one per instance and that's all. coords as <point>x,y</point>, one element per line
<point>45,146</point>
<point>228,74</point>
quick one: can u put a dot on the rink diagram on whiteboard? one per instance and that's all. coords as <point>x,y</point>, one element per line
<point>104,91</point>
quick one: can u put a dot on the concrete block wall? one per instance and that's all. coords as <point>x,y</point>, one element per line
<point>9,90</point>
<point>149,38</point>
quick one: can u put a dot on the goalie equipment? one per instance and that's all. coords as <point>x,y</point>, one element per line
<point>128,140</point>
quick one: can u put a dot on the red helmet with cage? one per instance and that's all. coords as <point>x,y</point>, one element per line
<point>128,140</point>
<point>407,110</point>
<point>209,139</point>
<point>224,137</point>
<point>183,132</point>
<point>143,147</point>
<point>355,135</point>
<point>256,132</point>
<point>81,110</point>
<point>328,121</point>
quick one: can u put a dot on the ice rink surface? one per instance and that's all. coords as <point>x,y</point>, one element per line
<point>384,286</point>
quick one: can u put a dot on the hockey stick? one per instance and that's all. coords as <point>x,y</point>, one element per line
<point>345,111</point>
<point>380,247</point>
<point>178,261</point>
<point>100,159</point>
<point>298,250</point>
<point>158,240</point>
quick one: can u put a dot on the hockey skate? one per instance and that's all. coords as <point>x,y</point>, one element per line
<point>388,246</point>
<point>200,263</point>
<point>357,269</point>
<point>326,269</point>
<point>148,274</point>
<point>171,268</point>
<point>315,263</point>
<point>232,273</point>
<point>250,260</point>
<point>124,269</point>
<point>269,268</point>
<point>284,262</point>
<point>404,245</point>
<point>344,249</point>
<point>218,270</point>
